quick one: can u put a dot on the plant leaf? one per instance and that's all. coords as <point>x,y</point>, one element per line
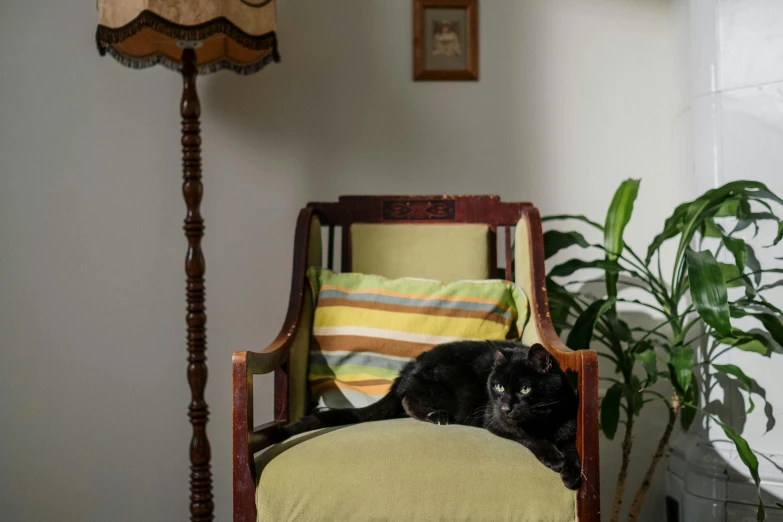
<point>555,241</point>
<point>687,416</point>
<point>581,334</point>
<point>560,294</point>
<point>671,227</point>
<point>572,265</point>
<point>729,208</point>
<point>610,410</point>
<point>708,290</point>
<point>689,217</point>
<point>762,216</point>
<point>746,341</point>
<point>573,217</point>
<point>617,217</point>
<point>705,206</point>
<point>771,323</point>
<point>737,248</point>
<point>776,284</point>
<point>711,229</point>
<point>643,345</point>
<point>561,303</point>
<point>753,264</point>
<point>765,193</point>
<point>688,413</point>
<point>638,401</point>
<point>735,370</point>
<point>649,362</point>
<point>619,328</point>
<point>758,304</point>
<point>779,235</point>
<point>749,459</point>
<point>731,275</point>
<point>681,367</point>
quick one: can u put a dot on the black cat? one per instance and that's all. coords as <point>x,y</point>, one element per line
<point>512,390</point>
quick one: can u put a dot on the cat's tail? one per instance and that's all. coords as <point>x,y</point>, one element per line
<point>388,407</point>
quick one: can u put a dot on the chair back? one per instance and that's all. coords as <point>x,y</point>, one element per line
<point>447,238</point>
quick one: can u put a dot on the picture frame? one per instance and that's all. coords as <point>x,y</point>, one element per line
<point>445,40</point>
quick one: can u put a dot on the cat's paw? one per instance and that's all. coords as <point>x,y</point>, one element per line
<point>553,459</point>
<point>438,417</point>
<point>571,476</point>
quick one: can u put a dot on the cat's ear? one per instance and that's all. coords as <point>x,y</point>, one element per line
<point>539,359</point>
<point>499,357</point>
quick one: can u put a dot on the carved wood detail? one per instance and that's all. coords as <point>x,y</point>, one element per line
<point>201,502</point>
<point>418,209</point>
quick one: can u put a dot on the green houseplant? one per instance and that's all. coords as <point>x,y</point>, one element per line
<point>695,301</point>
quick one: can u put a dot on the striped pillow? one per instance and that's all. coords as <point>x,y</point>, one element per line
<point>367,327</point>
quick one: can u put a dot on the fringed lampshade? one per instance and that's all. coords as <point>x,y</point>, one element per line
<point>227,34</point>
<point>192,37</point>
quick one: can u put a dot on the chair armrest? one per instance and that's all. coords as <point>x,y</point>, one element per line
<point>247,364</point>
<point>244,366</point>
<point>268,360</point>
<point>585,364</point>
<point>532,275</point>
<point>247,439</point>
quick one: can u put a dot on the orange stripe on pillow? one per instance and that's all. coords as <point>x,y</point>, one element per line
<point>445,297</point>
<point>421,310</point>
<point>376,389</point>
<point>336,343</point>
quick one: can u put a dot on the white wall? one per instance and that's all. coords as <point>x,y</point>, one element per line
<point>737,114</point>
<point>574,97</point>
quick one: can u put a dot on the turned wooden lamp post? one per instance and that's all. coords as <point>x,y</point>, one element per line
<point>192,37</point>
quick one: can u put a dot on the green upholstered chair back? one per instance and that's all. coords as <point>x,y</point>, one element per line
<point>446,252</point>
<point>438,237</point>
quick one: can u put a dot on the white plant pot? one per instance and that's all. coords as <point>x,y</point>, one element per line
<point>705,482</point>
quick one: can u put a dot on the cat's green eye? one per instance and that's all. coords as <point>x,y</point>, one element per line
<point>500,388</point>
<point>524,390</point>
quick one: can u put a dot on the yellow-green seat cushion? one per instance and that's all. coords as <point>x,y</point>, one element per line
<point>407,470</point>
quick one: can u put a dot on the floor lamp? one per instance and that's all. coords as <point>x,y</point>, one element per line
<point>192,37</point>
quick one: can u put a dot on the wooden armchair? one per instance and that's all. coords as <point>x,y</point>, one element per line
<point>442,237</point>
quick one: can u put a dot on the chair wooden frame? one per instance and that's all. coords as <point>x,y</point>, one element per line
<point>248,440</point>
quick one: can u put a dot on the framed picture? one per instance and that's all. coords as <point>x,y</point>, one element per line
<point>445,40</point>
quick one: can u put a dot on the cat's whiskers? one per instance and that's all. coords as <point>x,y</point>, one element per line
<point>544,404</point>
<point>494,421</point>
<point>480,411</point>
<point>526,415</point>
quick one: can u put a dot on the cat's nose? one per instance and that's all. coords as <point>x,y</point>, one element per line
<point>505,408</point>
